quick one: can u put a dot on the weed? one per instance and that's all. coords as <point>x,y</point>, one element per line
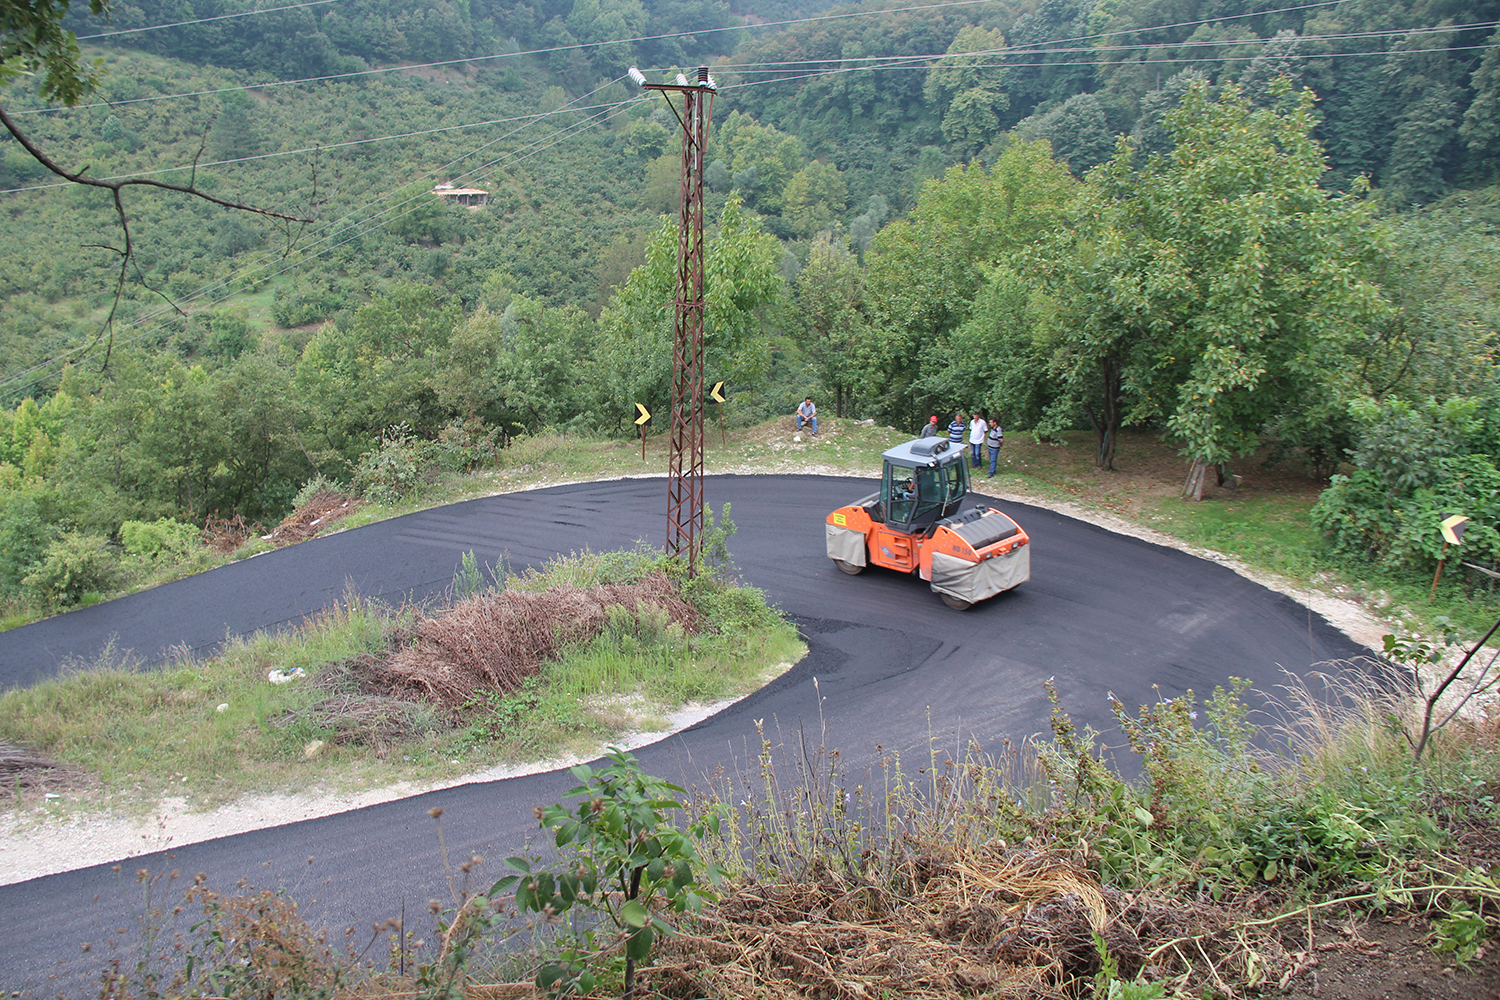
<point>468,581</point>
<point>624,862</point>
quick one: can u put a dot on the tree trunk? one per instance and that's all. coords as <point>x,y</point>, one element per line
<point>1106,422</point>
<point>1193,487</point>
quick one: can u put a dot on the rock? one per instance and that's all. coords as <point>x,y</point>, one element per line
<point>313,749</point>
<point>797,438</point>
<point>223,707</point>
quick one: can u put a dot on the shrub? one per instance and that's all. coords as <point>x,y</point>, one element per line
<point>317,484</point>
<point>162,537</point>
<point>387,474</point>
<point>622,860</point>
<point>74,565</point>
<point>24,536</point>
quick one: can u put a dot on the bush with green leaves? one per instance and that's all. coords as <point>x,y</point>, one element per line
<point>317,484</point>
<point>162,538</point>
<point>1416,463</point>
<point>76,564</point>
<point>1217,813</point>
<point>621,861</point>
<point>25,533</point>
<point>389,472</point>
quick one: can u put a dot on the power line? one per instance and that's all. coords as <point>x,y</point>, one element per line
<point>669,35</point>
<point>349,227</point>
<point>313,149</point>
<point>1009,58</point>
<point>202,20</point>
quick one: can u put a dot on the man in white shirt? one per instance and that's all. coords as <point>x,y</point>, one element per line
<point>807,413</point>
<point>977,427</point>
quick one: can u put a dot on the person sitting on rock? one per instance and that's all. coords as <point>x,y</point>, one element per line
<point>807,413</point>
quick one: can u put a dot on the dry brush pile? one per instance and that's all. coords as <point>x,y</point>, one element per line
<point>490,643</point>
<point>320,511</point>
<point>998,923</point>
<point>24,771</point>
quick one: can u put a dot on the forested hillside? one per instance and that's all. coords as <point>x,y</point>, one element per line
<point>1235,225</point>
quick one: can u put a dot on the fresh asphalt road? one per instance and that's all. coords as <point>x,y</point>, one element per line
<point>890,668</point>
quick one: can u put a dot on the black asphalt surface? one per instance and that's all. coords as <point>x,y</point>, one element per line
<point>894,668</point>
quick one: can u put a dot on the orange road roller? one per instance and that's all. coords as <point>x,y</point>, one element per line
<point>916,524</point>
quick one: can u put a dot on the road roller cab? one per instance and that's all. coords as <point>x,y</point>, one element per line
<point>919,523</point>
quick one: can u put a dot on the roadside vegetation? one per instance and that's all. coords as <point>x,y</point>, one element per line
<point>1225,870</point>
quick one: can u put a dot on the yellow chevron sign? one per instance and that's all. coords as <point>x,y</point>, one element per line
<point>644,417</point>
<point>1453,529</point>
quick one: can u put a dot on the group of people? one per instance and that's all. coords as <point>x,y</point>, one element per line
<point>982,431</point>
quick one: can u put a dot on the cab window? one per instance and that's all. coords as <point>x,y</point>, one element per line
<point>899,493</point>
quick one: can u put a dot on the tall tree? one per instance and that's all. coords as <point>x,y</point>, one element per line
<point>741,282</point>
<point>924,270</point>
<point>1216,286</point>
<point>967,87</point>
<point>831,316</point>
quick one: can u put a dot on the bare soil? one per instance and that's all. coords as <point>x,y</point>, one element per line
<point>1389,958</point>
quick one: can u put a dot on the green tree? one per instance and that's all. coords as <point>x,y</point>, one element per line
<point>1213,287</point>
<point>967,87</point>
<point>742,283</point>
<point>1481,125</point>
<point>999,357</point>
<point>1078,131</point>
<point>1421,83</point>
<point>32,39</point>
<point>544,356</point>
<point>764,156</point>
<point>230,332</point>
<point>924,270</point>
<point>816,197</point>
<point>832,326</point>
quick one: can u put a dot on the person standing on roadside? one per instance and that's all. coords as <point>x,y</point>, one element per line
<point>956,429</point>
<point>929,429</point>
<point>995,438</point>
<point>977,426</point>
<point>807,413</point>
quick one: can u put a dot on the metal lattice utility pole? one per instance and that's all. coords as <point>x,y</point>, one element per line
<point>685,467</point>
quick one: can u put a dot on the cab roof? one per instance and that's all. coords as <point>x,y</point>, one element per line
<point>923,453</point>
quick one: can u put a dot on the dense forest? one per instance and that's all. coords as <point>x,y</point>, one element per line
<point>1243,225</point>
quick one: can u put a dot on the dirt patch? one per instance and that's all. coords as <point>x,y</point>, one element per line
<point>321,511</point>
<point>494,642</point>
<point>1148,470</point>
<point>1389,958</point>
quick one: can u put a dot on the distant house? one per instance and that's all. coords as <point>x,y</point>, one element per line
<point>468,197</point>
